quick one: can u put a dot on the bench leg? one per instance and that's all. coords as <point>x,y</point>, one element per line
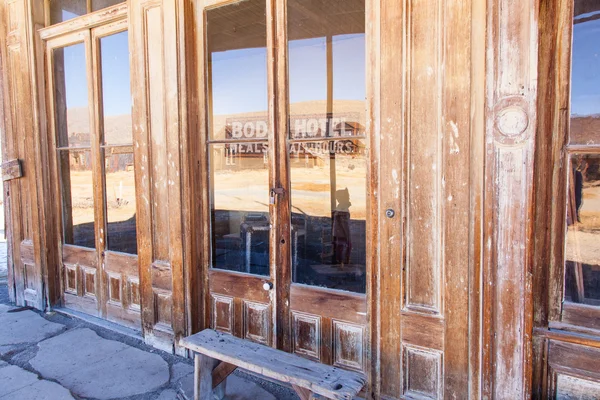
<point>220,390</point>
<point>203,368</point>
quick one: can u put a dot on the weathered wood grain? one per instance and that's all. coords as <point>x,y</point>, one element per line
<point>510,130</point>
<point>328,381</point>
<point>11,170</point>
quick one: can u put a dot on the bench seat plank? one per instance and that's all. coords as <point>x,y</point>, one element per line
<point>325,380</point>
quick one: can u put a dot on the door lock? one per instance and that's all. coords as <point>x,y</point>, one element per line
<point>273,194</point>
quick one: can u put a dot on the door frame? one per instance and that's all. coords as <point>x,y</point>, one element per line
<point>88,30</point>
<point>284,290</point>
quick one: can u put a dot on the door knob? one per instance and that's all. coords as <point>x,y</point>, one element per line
<point>267,286</point>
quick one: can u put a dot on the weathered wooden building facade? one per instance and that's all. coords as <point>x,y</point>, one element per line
<point>403,188</point>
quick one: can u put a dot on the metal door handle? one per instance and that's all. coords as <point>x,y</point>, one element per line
<point>267,286</point>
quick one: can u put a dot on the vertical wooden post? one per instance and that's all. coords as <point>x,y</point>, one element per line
<point>511,93</point>
<point>203,367</point>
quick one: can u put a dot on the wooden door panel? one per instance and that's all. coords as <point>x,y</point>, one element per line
<point>241,306</point>
<point>423,372</point>
<point>573,371</point>
<point>81,280</point>
<point>329,326</point>
<point>122,289</point>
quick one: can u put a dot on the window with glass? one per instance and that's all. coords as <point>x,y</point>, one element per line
<point>64,10</point>
<point>82,164</point>
<point>74,144</point>
<point>117,144</point>
<point>582,242</point>
<point>238,142</point>
<point>326,141</point>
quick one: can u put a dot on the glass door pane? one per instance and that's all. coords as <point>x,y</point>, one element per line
<point>238,142</point>
<point>117,144</point>
<point>73,139</point>
<point>326,142</point>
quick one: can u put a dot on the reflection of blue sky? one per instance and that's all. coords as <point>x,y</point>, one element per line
<point>239,77</point>
<point>75,76</point>
<point>585,81</point>
<point>116,89</point>
<point>115,75</point>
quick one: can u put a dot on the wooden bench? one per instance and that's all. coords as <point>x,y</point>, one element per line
<point>218,354</point>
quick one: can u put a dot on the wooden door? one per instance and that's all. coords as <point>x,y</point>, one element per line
<point>240,218</point>
<point>287,169</point>
<point>90,119</point>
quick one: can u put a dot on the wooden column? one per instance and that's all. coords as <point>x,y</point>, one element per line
<point>510,123</point>
<point>159,134</point>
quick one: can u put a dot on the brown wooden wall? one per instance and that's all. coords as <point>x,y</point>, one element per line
<point>26,208</point>
<point>453,87</point>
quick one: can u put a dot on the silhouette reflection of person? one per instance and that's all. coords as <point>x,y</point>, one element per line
<point>342,240</point>
<point>580,170</point>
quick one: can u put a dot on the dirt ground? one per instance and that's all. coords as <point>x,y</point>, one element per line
<point>583,238</point>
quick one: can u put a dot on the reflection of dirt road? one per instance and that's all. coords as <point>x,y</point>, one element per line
<point>118,185</point>
<point>248,190</point>
<point>242,190</point>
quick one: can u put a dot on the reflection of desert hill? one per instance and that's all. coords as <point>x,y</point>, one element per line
<point>317,108</point>
<point>117,128</point>
<point>585,129</point>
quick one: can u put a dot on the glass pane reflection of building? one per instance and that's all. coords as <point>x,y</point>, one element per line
<point>582,272</point>
<point>239,178</point>
<point>326,139</point>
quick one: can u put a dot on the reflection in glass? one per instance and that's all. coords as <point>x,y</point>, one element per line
<point>582,269</point>
<point>64,10</point>
<point>120,200</point>
<point>237,81</point>
<point>329,211</point>
<point>71,97</point>
<point>240,207</point>
<point>585,74</point>
<point>326,70</point>
<point>101,4</point>
<point>116,92</point>
<point>119,178</point>
<point>237,59</point>
<point>77,197</point>
<point>327,153</point>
